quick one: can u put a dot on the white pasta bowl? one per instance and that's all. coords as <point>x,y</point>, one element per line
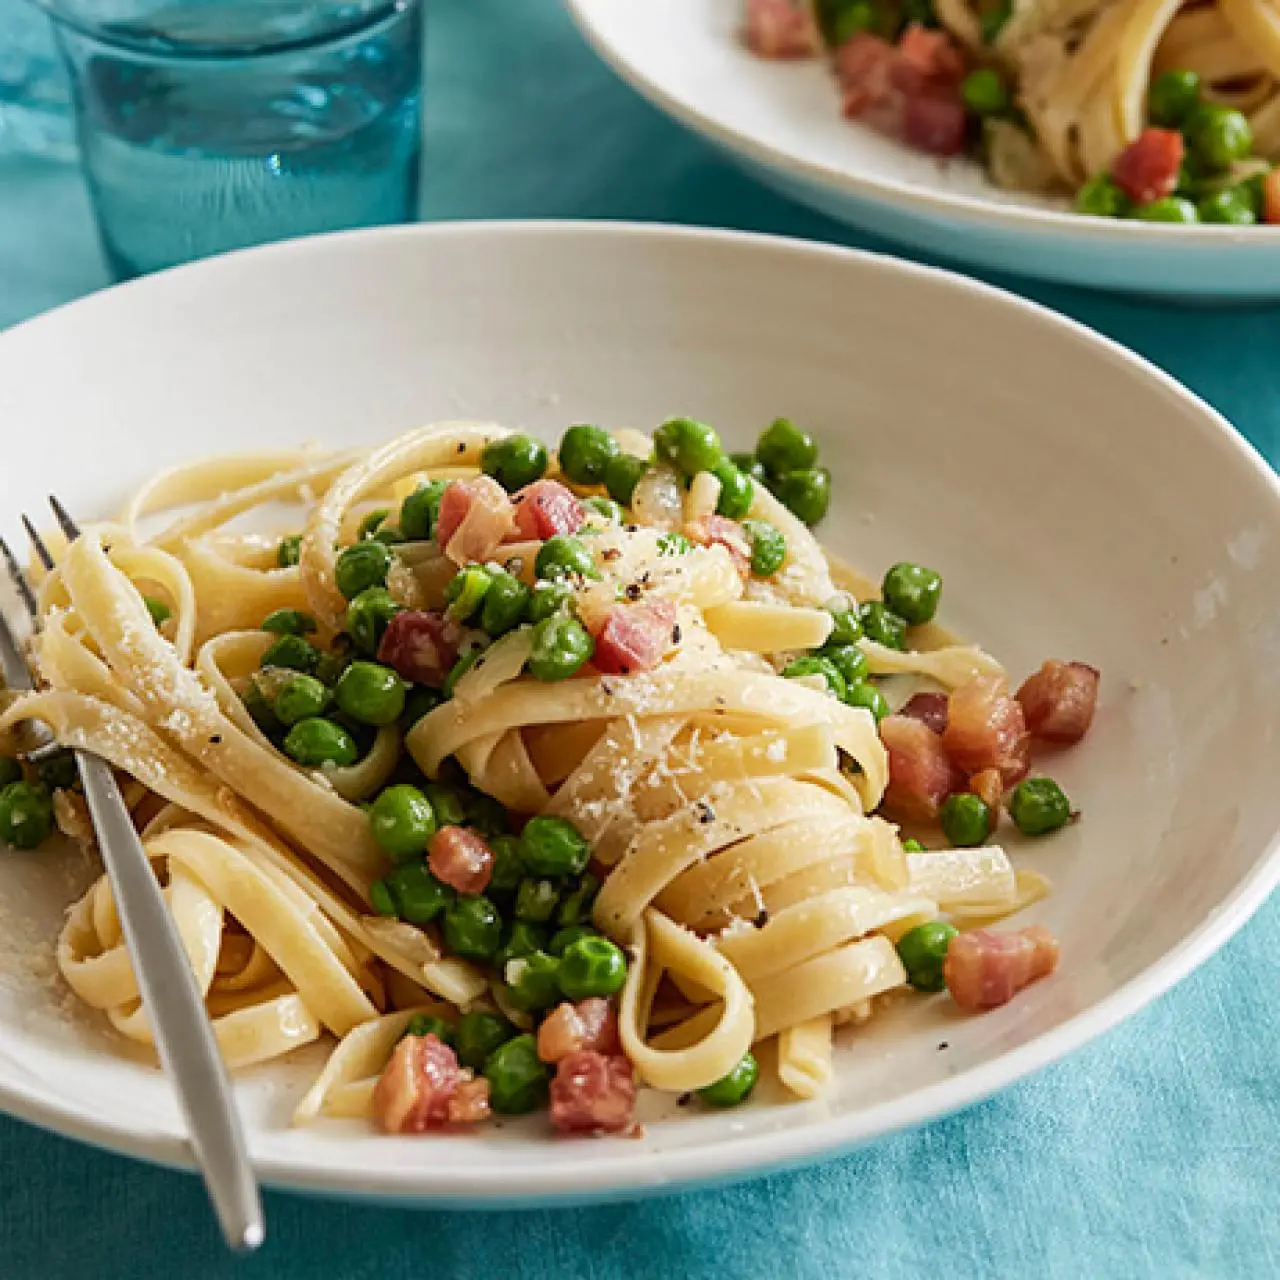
<point>1078,503</point>
<point>782,122</point>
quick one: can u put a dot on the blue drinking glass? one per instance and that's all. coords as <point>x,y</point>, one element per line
<point>210,126</point>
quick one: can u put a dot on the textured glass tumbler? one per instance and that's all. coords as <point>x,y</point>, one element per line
<point>205,127</point>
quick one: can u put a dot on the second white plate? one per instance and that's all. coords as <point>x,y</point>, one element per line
<point>782,122</point>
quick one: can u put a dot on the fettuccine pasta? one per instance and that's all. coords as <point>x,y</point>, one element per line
<point>525,777</point>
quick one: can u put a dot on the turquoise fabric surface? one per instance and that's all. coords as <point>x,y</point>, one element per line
<point>1153,1152</point>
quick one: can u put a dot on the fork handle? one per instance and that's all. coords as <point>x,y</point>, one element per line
<point>183,1035</point>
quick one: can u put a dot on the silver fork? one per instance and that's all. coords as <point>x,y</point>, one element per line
<point>183,1035</point>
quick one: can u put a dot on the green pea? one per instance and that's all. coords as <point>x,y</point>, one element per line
<point>536,900</point>
<point>736,1087</point>
<point>10,771</point>
<point>562,555</point>
<point>985,92</point>
<point>421,509</point>
<point>26,815</point>
<point>846,625</point>
<point>508,865</point>
<point>402,821</point>
<point>504,605</point>
<point>622,475</point>
<point>260,710</point>
<point>523,938</point>
<point>576,906</point>
<point>548,599</point>
<point>553,847</point>
<point>1190,183</point>
<point>1172,97</point>
<point>806,494</point>
<point>674,544</point>
<point>768,547</point>
<point>368,616</point>
<point>427,1024</point>
<point>472,927</point>
<point>289,551</point>
<point>382,899</point>
<point>592,967</point>
<point>564,938</point>
<point>923,951</point>
<point>966,820</point>
<point>1218,136</point>
<point>466,592</point>
<point>1254,190</point>
<point>58,771</point>
<point>370,693</point>
<point>606,508</point>
<point>447,804</point>
<point>1234,206</point>
<point>688,445</point>
<point>750,466</point>
<point>418,702</point>
<point>912,846</point>
<point>848,660</point>
<point>333,663</point>
<point>293,653</point>
<point>585,453</point>
<point>562,646</point>
<point>736,490</point>
<point>1168,209</point>
<point>317,742</point>
<point>479,1033</point>
<point>1039,806</point>
<point>301,697</point>
<point>514,461</point>
<point>486,815</point>
<point>1100,197</point>
<point>912,592</point>
<point>158,609</point>
<point>532,981</point>
<point>993,21</point>
<point>289,622</point>
<point>864,694</point>
<point>517,1077</point>
<point>371,524</point>
<point>882,625</point>
<point>783,447</point>
<point>419,896</point>
<point>852,19</point>
<point>361,566</point>
<point>815,666</point>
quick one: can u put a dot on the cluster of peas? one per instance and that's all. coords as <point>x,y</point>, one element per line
<point>785,461</point>
<point>910,595</point>
<point>1038,806</point>
<point>1217,138</point>
<point>531,925</point>
<point>26,807</point>
<point>590,456</point>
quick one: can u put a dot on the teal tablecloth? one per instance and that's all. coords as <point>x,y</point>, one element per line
<point>1155,1152</point>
